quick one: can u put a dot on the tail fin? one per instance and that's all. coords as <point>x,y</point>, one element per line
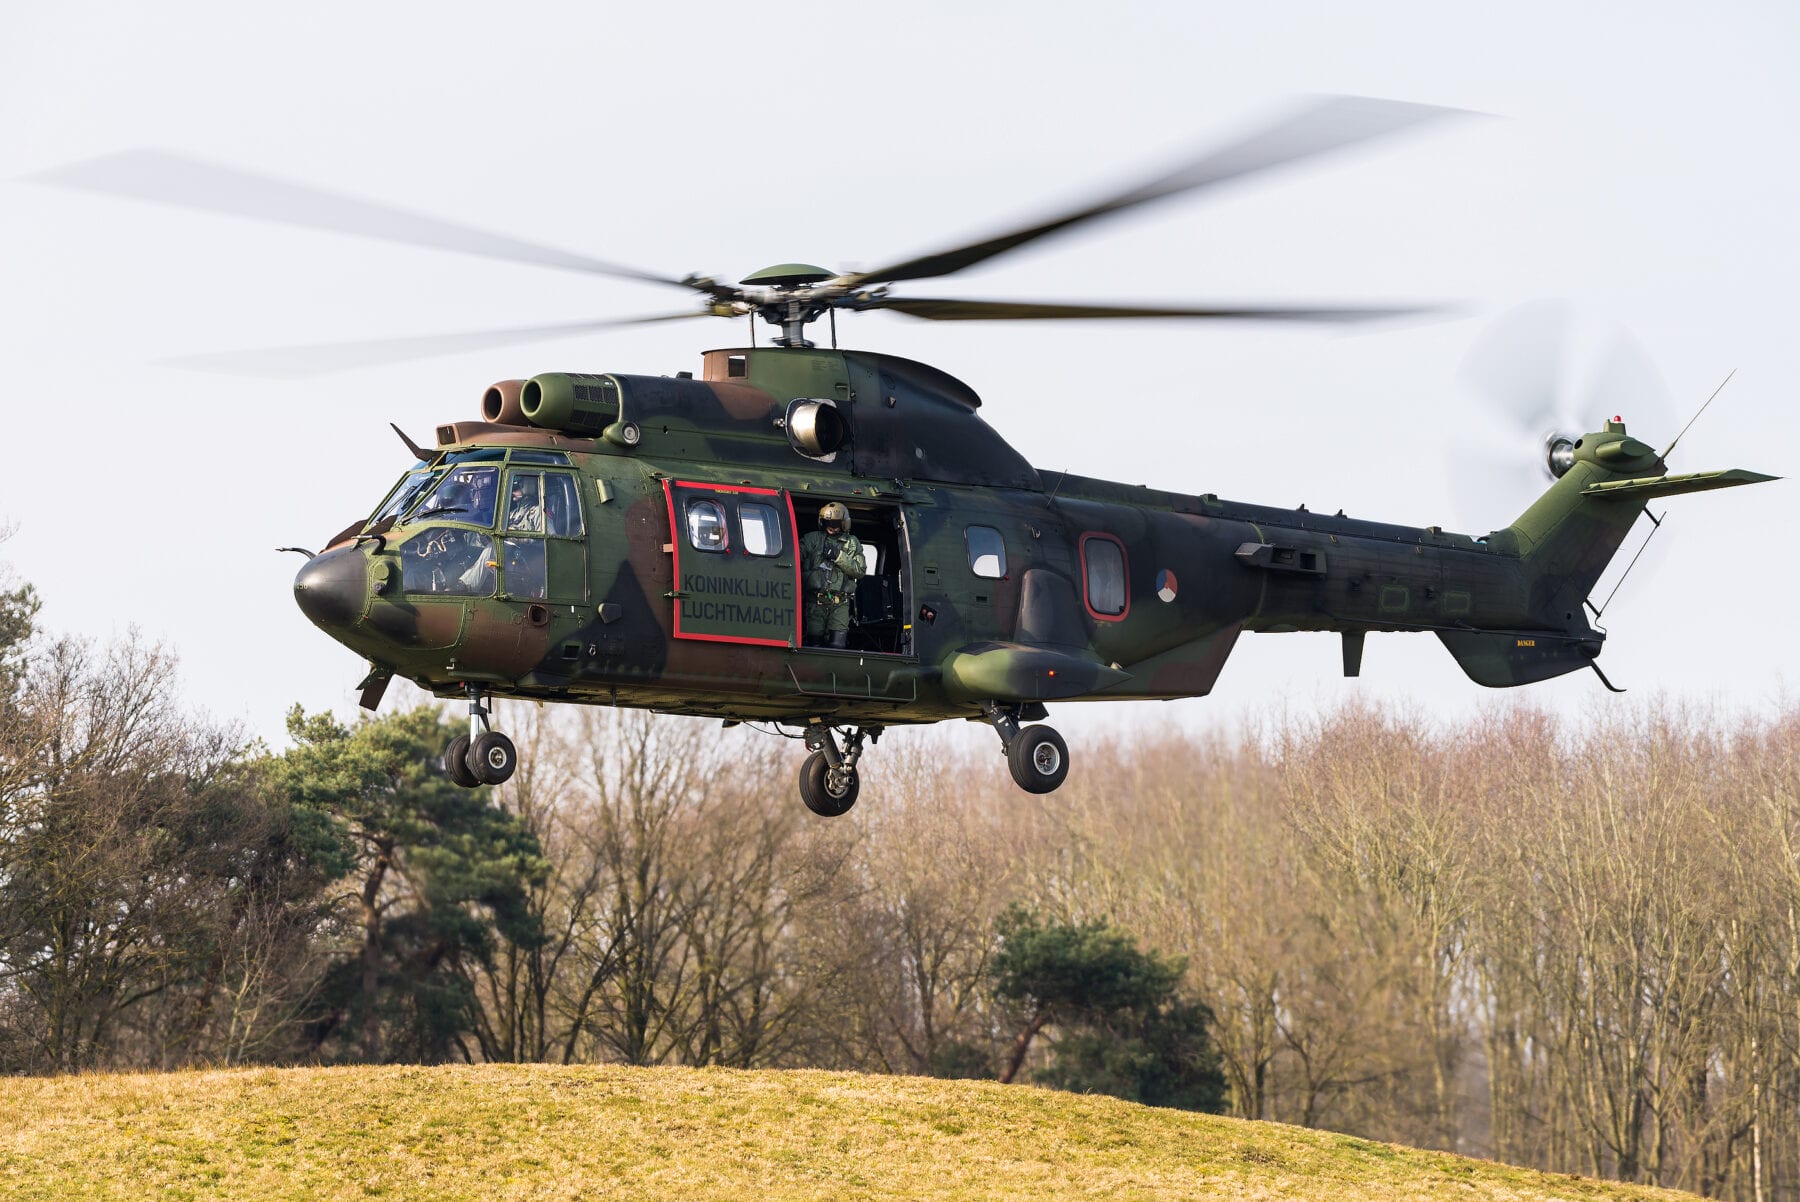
<point>1564,542</point>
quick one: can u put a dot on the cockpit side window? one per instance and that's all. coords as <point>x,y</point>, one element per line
<point>562,506</point>
<point>525,502</point>
<point>465,495</point>
<point>543,503</point>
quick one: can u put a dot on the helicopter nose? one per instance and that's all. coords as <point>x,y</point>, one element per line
<point>332,588</point>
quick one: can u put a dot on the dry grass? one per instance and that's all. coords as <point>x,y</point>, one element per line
<point>565,1133</point>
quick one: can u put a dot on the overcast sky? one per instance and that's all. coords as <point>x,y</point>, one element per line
<point>1639,162</point>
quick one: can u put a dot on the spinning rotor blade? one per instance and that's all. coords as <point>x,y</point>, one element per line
<point>301,362</point>
<point>1324,124</point>
<point>172,179</point>
<point>1519,368</point>
<point>977,310</point>
<point>1628,385</point>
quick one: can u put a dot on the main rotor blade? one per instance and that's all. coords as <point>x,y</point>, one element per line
<point>977,310</point>
<point>172,179</point>
<point>1322,125</point>
<point>318,359</point>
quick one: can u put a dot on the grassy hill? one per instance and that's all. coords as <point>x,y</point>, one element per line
<point>554,1133</point>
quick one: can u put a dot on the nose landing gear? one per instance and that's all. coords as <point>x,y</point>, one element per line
<point>484,756</point>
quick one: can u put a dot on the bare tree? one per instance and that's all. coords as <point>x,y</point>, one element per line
<point>110,891</point>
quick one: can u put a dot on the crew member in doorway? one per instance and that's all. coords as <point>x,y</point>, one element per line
<point>831,562</point>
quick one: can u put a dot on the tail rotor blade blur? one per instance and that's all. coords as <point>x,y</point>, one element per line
<point>1628,385</point>
<point>1519,372</point>
<point>1517,367</point>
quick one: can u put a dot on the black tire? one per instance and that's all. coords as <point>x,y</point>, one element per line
<point>492,758</point>
<point>1039,759</point>
<point>456,763</point>
<point>816,787</point>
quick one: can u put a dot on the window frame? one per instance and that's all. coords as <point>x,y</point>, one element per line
<point>513,552</point>
<point>687,521</point>
<point>773,525</point>
<point>543,478</point>
<point>969,546</point>
<point>1124,576</point>
<point>467,536</point>
<point>417,513</point>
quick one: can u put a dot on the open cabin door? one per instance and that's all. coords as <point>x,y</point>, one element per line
<point>737,563</point>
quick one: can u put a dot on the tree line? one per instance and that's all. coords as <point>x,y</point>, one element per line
<point>1569,945</point>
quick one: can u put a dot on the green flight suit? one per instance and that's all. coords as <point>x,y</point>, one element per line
<point>827,585</point>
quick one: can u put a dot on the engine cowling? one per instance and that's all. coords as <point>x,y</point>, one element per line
<point>500,403</point>
<point>815,428</point>
<point>574,403</point>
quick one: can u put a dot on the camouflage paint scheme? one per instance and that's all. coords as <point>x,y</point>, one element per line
<point>648,620</point>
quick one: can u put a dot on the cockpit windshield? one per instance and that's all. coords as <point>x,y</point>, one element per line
<point>463,495</point>
<point>412,486</point>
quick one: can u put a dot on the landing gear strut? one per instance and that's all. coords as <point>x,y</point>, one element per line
<point>1037,756</point>
<point>483,756</point>
<point>828,780</point>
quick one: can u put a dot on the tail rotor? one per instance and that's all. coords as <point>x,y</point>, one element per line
<point>1536,398</point>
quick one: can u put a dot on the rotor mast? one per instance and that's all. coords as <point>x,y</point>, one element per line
<point>785,298</point>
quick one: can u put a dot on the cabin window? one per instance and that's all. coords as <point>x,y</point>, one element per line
<point>525,574</point>
<point>448,562</point>
<point>465,495</point>
<point>706,525</point>
<point>987,552</point>
<point>762,528</point>
<point>1103,572</point>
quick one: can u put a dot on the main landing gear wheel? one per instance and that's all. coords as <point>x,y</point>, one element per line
<point>456,763</point>
<point>828,781</point>
<point>1036,755</point>
<point>828,792</point>
<point>1039,759</point>
<point>492,758</point>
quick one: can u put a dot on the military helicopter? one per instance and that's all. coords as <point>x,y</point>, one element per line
<point>635,540</point>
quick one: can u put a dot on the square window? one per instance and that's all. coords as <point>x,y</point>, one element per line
<point>762,528</point>
<point>987,552</point>
<point>525,575</point>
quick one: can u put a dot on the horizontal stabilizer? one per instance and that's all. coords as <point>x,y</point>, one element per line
<point>1651,487</point>
<point>1500,659</point>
